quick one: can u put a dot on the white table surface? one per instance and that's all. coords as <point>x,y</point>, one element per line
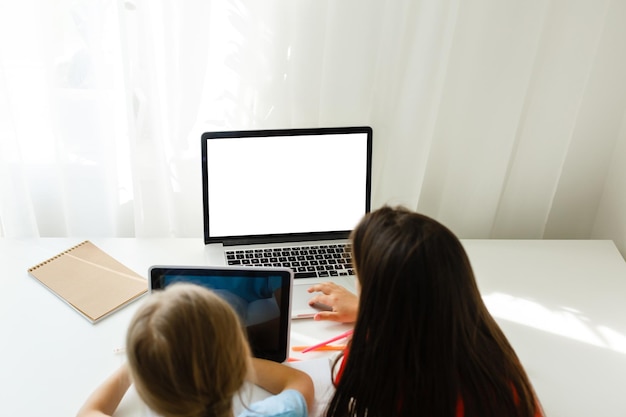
<point>562,304</point>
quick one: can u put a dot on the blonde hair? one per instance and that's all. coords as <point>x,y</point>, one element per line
<point>187,352</point>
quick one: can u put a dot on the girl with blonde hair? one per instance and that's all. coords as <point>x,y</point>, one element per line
<point>188,357</point>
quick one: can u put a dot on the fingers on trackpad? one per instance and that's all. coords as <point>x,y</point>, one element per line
<point>321,307</point>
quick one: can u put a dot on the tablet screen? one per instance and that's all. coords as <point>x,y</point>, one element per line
<point>260,296</point>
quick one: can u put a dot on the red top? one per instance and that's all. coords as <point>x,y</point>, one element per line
<point>460,408</point>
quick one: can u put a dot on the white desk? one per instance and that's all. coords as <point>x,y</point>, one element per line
<point>562,305</point>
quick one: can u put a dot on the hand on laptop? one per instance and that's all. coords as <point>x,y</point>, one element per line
<point>344,304</point>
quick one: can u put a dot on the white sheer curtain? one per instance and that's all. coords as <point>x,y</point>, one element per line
<point>502,119</point>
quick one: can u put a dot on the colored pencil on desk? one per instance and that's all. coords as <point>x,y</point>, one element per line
<point>326,347</point>
<point>326,342</point>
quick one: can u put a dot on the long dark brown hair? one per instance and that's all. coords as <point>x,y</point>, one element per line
<point>424,342</point>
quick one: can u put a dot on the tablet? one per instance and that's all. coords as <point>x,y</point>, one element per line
<point>260,296</point>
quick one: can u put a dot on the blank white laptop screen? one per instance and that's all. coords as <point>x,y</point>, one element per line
<point>285,185</point>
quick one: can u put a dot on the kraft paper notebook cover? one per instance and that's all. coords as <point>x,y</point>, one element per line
<point>89,280</point>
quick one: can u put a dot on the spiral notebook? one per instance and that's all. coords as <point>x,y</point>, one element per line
<point>90,280</point>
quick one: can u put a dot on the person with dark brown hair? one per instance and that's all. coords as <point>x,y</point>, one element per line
<point>424,343</point>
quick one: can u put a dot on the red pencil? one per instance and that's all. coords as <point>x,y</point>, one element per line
<point>326,342</point>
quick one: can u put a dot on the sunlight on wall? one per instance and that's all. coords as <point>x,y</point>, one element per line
<point>564,322</point>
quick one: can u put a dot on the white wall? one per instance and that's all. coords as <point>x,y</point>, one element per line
<point>611,217</point>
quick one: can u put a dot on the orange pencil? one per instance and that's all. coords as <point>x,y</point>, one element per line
<point>326,342</point>
<point>326,347</point>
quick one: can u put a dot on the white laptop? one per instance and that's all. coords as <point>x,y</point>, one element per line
<point>288,198</point>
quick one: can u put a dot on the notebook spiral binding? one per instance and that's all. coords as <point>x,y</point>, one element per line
<point>56,256</point>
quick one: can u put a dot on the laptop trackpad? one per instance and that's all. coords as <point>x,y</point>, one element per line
<point>300,308</point>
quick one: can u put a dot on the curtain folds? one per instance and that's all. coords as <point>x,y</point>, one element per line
<point>501,119</point>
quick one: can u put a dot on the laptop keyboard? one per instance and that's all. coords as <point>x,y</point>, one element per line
<point>312,261</point>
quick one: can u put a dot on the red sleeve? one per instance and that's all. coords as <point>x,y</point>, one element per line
<point>460,407</point>
<point>341,365</point>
